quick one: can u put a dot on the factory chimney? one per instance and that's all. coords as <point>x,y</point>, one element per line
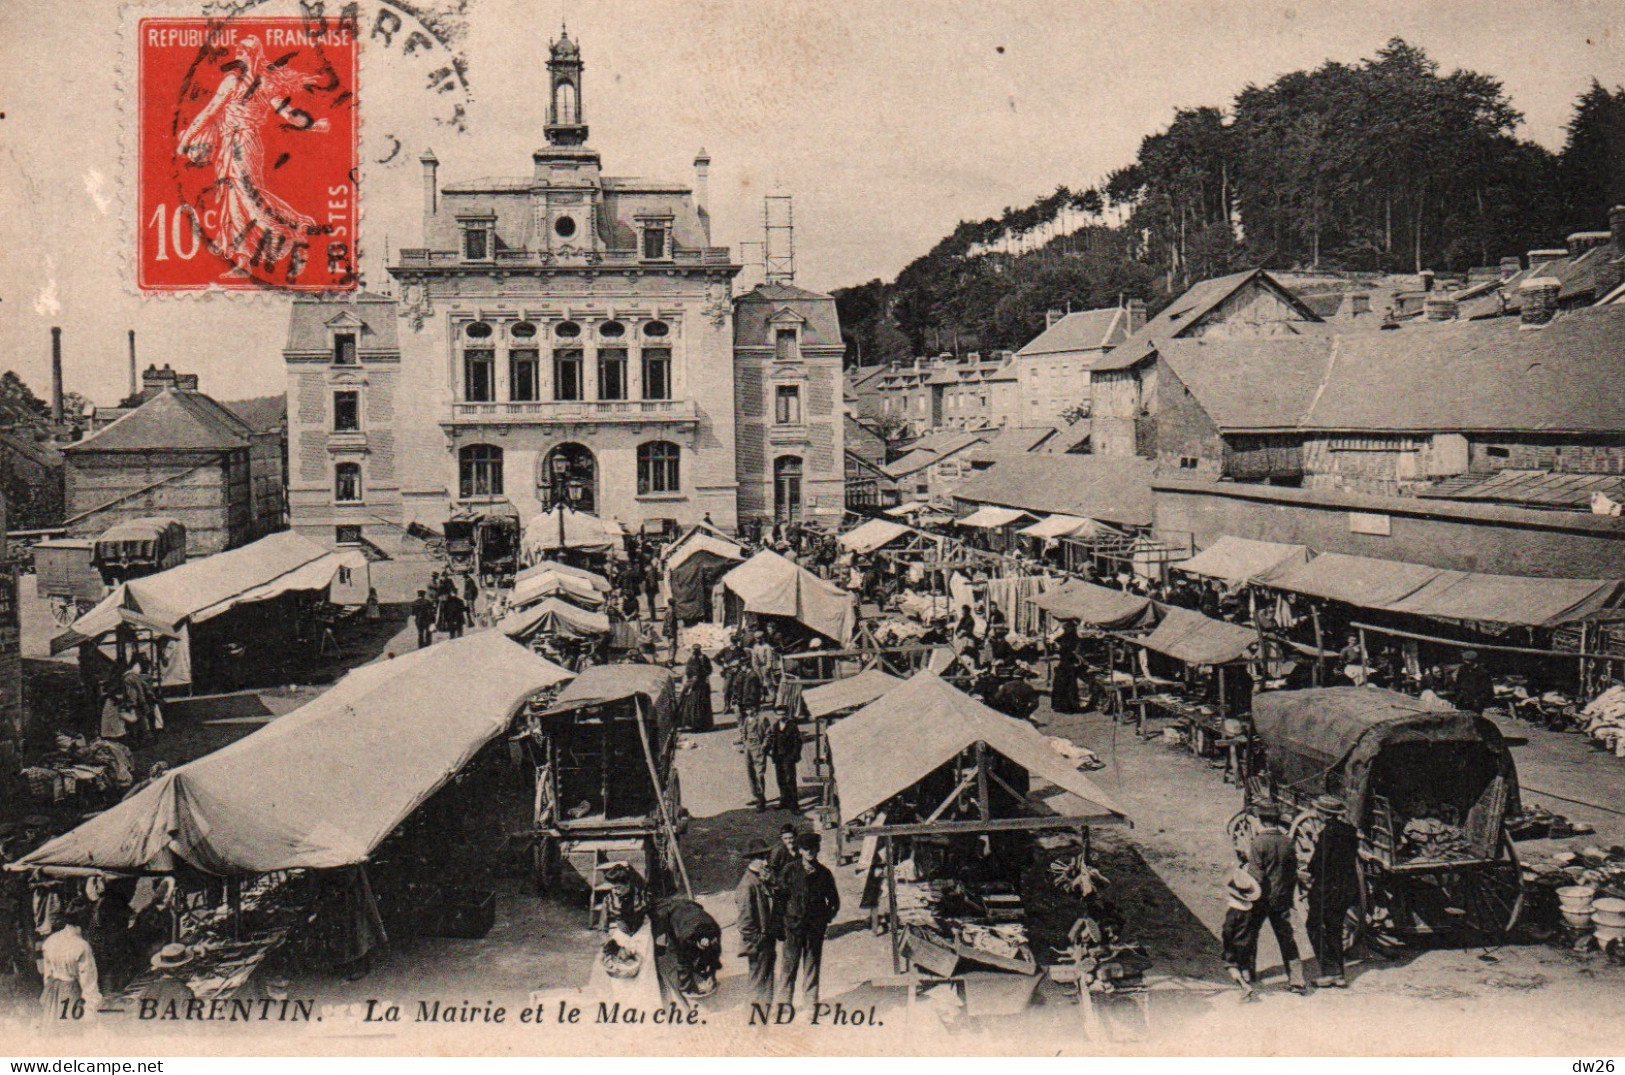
<point>135,385</point>
<point>56,376</point>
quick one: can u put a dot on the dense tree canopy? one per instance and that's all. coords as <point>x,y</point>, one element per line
<point>1382,165</point>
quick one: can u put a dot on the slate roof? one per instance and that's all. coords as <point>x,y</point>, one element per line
<point>1494,375</point>
<point>308,331</point>
<point>753,311</point>
<point>1087,330</point>
<point>173,420</point>
<point>1108,488</point>
<point>1178,316</point>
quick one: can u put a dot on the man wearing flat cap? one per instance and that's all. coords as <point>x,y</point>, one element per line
<point>1334,887</point>
<point>759,927</point>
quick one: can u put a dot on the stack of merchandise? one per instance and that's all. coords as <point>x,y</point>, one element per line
<point>1605,719</point>
<point>1434,840</point>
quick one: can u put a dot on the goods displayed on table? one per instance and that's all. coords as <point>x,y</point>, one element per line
<point>1082,758</point>
<point>1605,720</point>
<point>1432,839</point>
<point>980,922</point>
<point>897,632</point>
<point>75,769</point>
<point>1539,823</point>
<point>923,607</point>
<point>710,637</point>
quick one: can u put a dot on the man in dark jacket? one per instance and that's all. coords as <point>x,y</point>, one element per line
<point>784,744</point>
<point>1276,864</point>
<point>809,905</point>
<point>423,615</point>
<point>453,615</point>
<point>1334,887</point>
<point>1475,691</point>
<point>759,926</point>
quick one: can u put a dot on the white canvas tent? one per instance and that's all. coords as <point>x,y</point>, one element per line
<point>562,528</point>
<point>912,730</point>
<point>322,786</point>
<point>770,585</point>
<point>872,535</point>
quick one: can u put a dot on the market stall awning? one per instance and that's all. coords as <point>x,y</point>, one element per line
<point>1237,560</point>
<point>1057,526</point>
<point>849,693</point>
<point>1195,639</point>
<point>1510,599</point>
<point>556,618</point>
<point>543,533</point>
<point>552,584</point>
<point>1097,606</point>
<point>606,683</point>
<point>1438,593</point>
<point>872,535</point>
<point>1354,580</point>
<point>543,567</point>
<point>702,538</point>
<point>770,585</point>
<point>202,589</point>
<point>322,786</point>
<point>908,733</point>
<point>991,518</point>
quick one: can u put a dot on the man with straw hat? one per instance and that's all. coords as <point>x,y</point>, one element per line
<point>1275,864</point>
<point>170,965</point>
<point>1334,888</point>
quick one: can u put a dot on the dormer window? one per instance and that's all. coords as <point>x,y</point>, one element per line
<point>654,243</point>
<point>786,344</point>
<point>344,349</point>
<point>479,239</point>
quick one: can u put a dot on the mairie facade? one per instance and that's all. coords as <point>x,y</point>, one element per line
<point>561,337</point>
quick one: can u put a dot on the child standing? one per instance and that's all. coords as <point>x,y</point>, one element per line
<point>1240,934</point>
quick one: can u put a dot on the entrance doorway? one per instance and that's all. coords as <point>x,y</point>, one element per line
<point>569,476</point>
<point>787,488</point>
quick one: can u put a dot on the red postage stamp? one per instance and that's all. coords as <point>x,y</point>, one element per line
<point>248,154</point>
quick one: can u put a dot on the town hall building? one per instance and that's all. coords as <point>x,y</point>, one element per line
<point>563,337</point>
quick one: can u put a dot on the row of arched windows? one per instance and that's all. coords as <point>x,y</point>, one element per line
<point>480,470</point>
<point>569,376</point>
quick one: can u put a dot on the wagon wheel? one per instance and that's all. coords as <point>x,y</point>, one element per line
<point>1493,896</point>
<point>545,863</point>
<point>1305,834</point>
<point>64,610</point>
<point>1374,921</point>
<point>1242,828</point>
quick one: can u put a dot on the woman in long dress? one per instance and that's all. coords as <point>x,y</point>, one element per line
<point>1063,691</point>
<point>695,701</point>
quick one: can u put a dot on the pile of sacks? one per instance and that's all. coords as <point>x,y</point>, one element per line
<point>1605,719</point>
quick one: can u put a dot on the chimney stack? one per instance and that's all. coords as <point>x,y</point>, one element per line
<point>56,376</point>
<point>1537,258</point>
<point>1426,276</point>
<point>134,384</point>
<point>1510,267</point>
<point>1441,306</point>
<point>1616,228</point>
<point>1359,303</point>
<point>1539,300</point>
<point>702,189</point>
<point>1136,315</point>
<point>431,191</point>
<point>1581,241</point>
<point>1052,316</point>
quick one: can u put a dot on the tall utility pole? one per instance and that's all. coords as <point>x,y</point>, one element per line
<point>779,239</point>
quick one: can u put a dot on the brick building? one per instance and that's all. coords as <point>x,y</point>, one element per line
<point>183,455</point>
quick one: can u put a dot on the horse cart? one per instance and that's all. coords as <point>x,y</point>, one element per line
<point>607,788</point>
<point>1428,791</point>
<point>482,544</point>
<point>74,574</point>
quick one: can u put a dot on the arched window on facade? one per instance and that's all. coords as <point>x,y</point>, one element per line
<point>479,471</point>
<point>658,467</point>
<point>347,483</point>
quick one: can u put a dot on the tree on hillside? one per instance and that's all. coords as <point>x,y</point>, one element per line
<point>1593,164</point>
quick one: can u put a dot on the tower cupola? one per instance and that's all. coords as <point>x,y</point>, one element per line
<point>566,123</point>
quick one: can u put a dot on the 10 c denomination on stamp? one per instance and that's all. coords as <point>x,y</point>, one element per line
<point>248,154</point>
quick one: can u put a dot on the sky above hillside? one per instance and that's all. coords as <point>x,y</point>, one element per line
<point>887,121</point>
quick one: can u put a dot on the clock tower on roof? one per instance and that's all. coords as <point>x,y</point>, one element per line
<point>566,124</point>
